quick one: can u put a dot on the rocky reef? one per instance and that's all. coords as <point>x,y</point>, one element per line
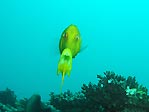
<point>112,93</point>
<point>9,103</point>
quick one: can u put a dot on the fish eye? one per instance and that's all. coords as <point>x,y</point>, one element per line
<point>65,35</point>
<point>77,37</point>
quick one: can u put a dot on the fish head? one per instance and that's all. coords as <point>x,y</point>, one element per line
<point>71,39</point>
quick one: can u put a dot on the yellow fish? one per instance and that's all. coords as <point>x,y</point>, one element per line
<point>69,46</point>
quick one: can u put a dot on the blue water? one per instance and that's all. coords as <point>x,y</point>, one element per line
<point>116,32</point>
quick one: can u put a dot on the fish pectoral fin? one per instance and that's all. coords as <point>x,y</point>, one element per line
<point>58,71</point>
<point>83,48</point>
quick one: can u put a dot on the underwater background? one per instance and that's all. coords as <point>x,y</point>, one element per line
<point>116,34</point>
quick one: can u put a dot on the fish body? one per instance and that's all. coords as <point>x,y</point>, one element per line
<point>69,46</point>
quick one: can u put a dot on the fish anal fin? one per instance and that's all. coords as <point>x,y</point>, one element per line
<point>63,75</point>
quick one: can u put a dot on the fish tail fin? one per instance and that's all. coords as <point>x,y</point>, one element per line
<point>63,75</point>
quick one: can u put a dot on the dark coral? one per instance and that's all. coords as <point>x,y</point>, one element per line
<point>112,93</point>
<point>8,97</point>
<point>109,92</point>
<point>131,82</point>
<point>68,102</point>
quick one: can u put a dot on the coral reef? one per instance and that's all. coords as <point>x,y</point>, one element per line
<point>112,93</point>
<point>9,103</point>
<point>109,93</point>
<point>68,102</point>
<point>8,97</point>
<point>33,104</point>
